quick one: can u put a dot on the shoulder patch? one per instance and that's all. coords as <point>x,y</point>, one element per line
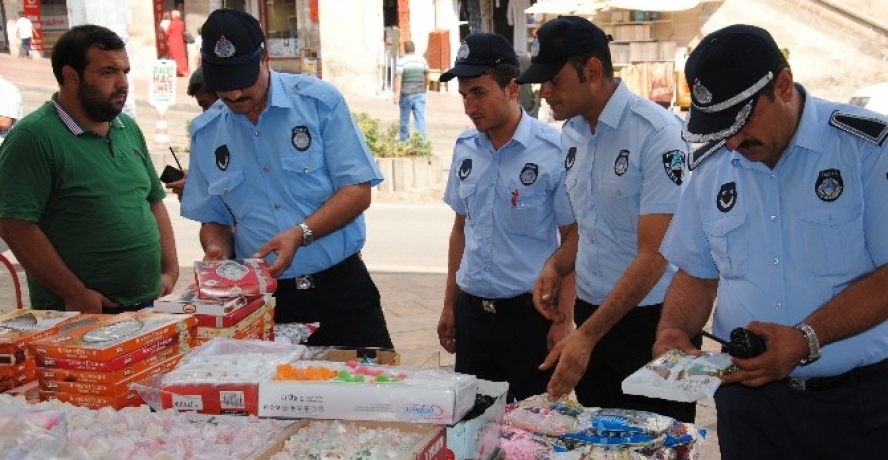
<point>550,135</point>
<point>870,129</point>
<point>466,135</point>
<point>306,86</point>
<point>206,117</point>
<point>703,153</point>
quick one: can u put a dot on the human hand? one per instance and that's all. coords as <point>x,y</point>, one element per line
<point>213,252</point>
<point>545,293</point>
<point>177,187</point>
<point>284,245</point>
<point>89,301</point>
<point>572,355</point>
<point>395,100</point>
<point>446,327</point>
<point>785,348</point>
<point>558,332</point>
<point>167,283</point>
<point>673,339</point>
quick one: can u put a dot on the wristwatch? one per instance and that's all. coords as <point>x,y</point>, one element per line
<point>307,235</point>
<point>813,344</point>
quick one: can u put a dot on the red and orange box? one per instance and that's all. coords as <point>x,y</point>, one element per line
<point>111,388</point>
<point>87,376</point>
<point>20,327</point>
<point>182,343</point>
<point>128,399</point>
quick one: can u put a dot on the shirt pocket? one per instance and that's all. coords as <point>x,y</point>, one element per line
<point>526,214</point>
<point>729,244</point>
<point>832,239</point>
<point>466,191</point>
<point>309,173</point>
<point>228,187</point>
<point>619,204</point>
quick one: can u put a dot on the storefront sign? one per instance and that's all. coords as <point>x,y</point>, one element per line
<point>162,85</point>
<point>32,12</point>
<point>54,22</point>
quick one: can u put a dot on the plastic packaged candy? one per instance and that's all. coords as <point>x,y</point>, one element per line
<point>539,415</point>
<point>677,376</point>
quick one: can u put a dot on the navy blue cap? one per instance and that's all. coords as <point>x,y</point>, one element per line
<point>726,73</point>
<point>231,49</point>
<point>557,41</point>
<point>478,53</point>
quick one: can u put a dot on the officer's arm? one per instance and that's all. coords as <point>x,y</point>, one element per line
<point>343,207</point>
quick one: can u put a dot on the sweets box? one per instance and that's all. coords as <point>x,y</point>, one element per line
<point>232,278</point>
<point>236,316</point>
<point>186,301</point>
<point>419,396</point>
<point>19,327</point>
<point>114,336</point>
<point>128,399</point>
<point>17,375</point>
<point>110,388</point>
<point>431,446</point>
<point>99,376</point>
<point>180,343</point>
<point>365,355</point>
<point>479,437</point>
<point>255,320</point>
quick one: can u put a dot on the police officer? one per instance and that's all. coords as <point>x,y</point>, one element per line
<point>283,172</point>
<point>624,157</point>
<point>506,186</point>
<point>787,219</point>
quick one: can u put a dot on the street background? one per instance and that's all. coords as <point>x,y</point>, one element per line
<point>407,231</point>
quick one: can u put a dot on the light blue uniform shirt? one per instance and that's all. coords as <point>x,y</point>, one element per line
<point>784,242</point>
<point>632,165</point>
<point>514,201</point>
<point>268,177</point>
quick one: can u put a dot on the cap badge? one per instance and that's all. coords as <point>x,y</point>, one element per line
<point>224,48</point>
<point>463,51</point>
<point>701,93</point>
<point>535,47</point>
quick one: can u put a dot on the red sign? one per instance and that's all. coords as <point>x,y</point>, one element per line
<point>32,12</point>
<point>160,38</point>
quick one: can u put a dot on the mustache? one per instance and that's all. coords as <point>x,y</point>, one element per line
<point>749,143</point>
<point>240,99</point>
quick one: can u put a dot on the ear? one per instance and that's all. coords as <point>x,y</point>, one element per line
<point>513,89</point>
<point>70,76</point>
<point>592,68</point>
<point>785,85</point>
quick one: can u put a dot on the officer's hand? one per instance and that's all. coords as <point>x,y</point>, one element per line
<point>572,355</point>
<point>89,301</point>
<point>545,293</point>
<point>284,245</point>
<point>446,328</point>
<point>673,339</point>
<point>558,332</point>
<point>213,252</point>
<point>785,348</point>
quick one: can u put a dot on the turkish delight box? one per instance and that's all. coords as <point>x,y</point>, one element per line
<point>373,393</point>
<point>235,317</point>
<point>180,343</point>
<point>111,388</point>
<point>186,301</point>
<point>20,327</point>
<point>255,320</point>
<point>90,376</point>
<point>231,278</point>
<point>128,399</point>
<point>112,337</point>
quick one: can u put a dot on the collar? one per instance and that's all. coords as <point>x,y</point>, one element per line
<point>72,124</point>
<point>616,105</point>
<point>276,98</point>
<point>522,134</point>
<point>809,134</point>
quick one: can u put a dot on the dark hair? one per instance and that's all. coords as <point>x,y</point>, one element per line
<point>504,73</point>
<point>409,47</point>
<point>72,46</point>
<point>768,89</point>
<point>196,83</point>
<point>602,54</point>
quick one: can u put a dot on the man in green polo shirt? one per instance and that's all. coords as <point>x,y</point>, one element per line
<point>81,206</point>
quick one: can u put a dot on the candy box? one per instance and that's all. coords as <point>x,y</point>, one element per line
<point>114,336</point>
<point>236,316</point>
<point>91,376</point>
<point>474,438</point>
<point>187,301</point>
<point>254,322</point>
<point>178,343</point>
<point>128,399</point>
<point>110,388</point>
<point>364,355</point>
<point>19,327</point>
<point>232,278</point>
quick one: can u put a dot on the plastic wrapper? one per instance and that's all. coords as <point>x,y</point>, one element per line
<point>677,376</point>
<point>231,278</point>
<point>539,415</point>
<point>294,333</point>
<point>35,435</point>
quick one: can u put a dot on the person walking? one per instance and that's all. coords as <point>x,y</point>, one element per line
<point>176,43</point>
<point>281,171</point>
<point>25,30</point>
<point>81,205</point>
<point>506,185</point>
<point>785,218</point>
<point>411,81</point>
<point>624,157</point>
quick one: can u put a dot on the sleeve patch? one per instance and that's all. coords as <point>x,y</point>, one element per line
<point>870,129</point>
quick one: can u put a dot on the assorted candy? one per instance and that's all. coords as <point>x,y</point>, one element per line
<point>352,372</point>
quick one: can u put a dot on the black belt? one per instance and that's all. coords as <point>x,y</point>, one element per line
<point>856,375</point>
<point>490,305</point>
<point>323,276</point>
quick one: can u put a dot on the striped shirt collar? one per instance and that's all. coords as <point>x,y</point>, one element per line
<point>72,125</point>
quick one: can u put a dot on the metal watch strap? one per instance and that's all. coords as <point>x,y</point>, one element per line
<point>813,343</point>
<point>307,235</point>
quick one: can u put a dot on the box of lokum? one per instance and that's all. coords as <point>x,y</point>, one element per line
<point>110,388</point>
<point>186,301</point>
<point>351,391</point>
<point>181,343</point>
<point>235,317</point>
<point>130,398</point>
<point>19,327</point>
<point>231,278</point>
<point>92,376</point>
<point>255,320</point>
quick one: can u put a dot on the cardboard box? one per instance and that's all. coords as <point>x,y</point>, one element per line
<point>20,327</point>
<point>479,438</point>
<point>114,336</point>
<point>88,376</point>
<point>381,356</point>
<point>432,445</point>
<point>110,388</point>
<point>181,342</point>
<point>255,322</point>
<point>186,301</point>
<point>236,316</point>
<point>27,367</point>
<point>130,398</point>
<point>427,396</point>
<point>231,278</point>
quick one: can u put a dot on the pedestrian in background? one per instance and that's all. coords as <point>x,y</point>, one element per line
<point>81,206</point>
<point>785,220</point>
<point>411,82</point>
<point>282,172</point>
<point>176,43</point>
<point>507,188</point>
<point>624,157</point>
<point>10,107</point>
<point>25,31</point>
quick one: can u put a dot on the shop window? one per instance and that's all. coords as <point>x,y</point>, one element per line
<point>282,28</point>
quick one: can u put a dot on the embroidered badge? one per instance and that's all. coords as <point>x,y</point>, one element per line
<point>222,157</point>
<point>570,158</point>
<point>224,48</point>
<point>701,93</point>
<point>673,162</point>
<point>829,185</point>
<point>535,48</point>
<point>465,168</point>
<point>529,173</point>
<point>301,138</point>
<point>727,197</point>
<point>463,51</point>
<point>622,163</point>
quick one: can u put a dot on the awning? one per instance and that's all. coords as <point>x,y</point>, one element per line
<point>575,7</point>
<point>654,5</point>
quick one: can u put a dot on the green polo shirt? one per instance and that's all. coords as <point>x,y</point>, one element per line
<point>91,195</point>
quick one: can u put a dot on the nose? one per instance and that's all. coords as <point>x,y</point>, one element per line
<point>545,89</point>
<point>231,95</point>
<point>733,142</point>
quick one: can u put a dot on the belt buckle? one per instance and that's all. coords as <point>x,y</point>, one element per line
<point>304,282</point>
<point>489,306</point>
<point>796,383</point>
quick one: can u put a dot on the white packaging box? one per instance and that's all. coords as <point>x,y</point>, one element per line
<point>186,301</point>
<point>479,438</point>
<point>425,396</point>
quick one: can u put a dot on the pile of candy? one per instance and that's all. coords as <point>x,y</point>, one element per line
<point>326,439</point>
<point>350,372</point>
